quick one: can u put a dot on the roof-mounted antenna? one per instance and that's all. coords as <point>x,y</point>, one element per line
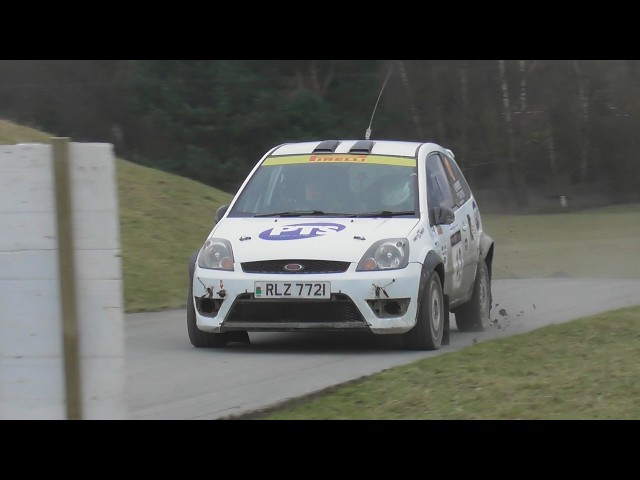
<point>368,133</point>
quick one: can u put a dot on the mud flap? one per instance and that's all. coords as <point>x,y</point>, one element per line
<point>445,331</point>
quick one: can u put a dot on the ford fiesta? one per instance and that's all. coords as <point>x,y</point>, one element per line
<point>345,235</point>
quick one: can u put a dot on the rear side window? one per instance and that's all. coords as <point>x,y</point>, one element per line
<point>461,190</point>
<point>439,193</point>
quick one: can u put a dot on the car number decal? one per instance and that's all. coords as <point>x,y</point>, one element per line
<point>458,265</point>
<point>457,257</point>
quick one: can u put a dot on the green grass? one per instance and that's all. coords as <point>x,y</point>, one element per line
<point>585,369</point>
<point>11,133</point>
<point>581,370</point>
<point>163,220</point>
<point>594,243</point>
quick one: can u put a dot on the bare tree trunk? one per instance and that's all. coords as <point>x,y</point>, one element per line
<point>516,176</point>
<point>584,120</point>
<point>412,105</point>
<point>553,167</point>
<point>311,78</point>
<point>506,110</point>
<point>464,90</point>
<point>523,86</point>
<point>524,73</point>
<point>437,106</point>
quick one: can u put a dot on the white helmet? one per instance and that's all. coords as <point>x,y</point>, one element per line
<point>396,191</point>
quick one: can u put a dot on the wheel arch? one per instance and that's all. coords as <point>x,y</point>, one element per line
<point>433,262</point>
<point>486,251</point>
<point>192,264</point>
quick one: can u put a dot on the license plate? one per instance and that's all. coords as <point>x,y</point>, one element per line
<point>292,290</point>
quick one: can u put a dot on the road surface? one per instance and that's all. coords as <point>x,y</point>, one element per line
<point>169,379</point>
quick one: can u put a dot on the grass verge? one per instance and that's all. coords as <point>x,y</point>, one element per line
<point>580,370</point>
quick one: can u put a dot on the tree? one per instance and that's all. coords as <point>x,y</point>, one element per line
<point>220,116</point>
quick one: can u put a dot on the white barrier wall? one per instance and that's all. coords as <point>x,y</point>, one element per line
<point>32,369</point>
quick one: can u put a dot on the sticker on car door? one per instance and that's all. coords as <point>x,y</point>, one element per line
<point>458,258</point>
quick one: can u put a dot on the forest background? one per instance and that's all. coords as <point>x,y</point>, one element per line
<point>532,136</point>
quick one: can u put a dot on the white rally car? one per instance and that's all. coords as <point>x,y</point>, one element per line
<point>345,235</point>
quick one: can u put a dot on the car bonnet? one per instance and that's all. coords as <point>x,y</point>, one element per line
<point>342,239</point>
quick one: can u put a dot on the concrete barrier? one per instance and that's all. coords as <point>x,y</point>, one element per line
<point>35,349</point>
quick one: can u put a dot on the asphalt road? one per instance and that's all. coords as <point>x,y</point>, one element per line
<point>169,379</point>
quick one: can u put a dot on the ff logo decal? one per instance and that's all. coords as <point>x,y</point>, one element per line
<point>298,231</point>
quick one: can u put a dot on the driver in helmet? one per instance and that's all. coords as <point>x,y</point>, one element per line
<point>314,194</point>
<point>396,194</point>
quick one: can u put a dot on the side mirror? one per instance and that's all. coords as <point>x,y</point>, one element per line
<point>443,216</point>
<point>220,212</point>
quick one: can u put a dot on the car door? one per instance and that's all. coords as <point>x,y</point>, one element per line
<point>468,239</point>
<point>448,237</point>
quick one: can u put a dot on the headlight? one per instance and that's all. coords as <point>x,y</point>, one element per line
<point>216,254</point>
<point>389,254</point>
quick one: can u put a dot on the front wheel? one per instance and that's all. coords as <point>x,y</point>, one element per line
<point>475,315</point>
<point>430,321</point>
<point>197,337</point>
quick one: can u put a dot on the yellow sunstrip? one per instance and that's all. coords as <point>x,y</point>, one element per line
<point>341,158</point>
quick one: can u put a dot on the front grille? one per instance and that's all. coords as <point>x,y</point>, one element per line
<point>310,266</point>
<point>339,310</point>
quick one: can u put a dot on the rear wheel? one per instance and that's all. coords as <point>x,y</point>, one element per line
<point>475,315</point>
<point>430,320</point>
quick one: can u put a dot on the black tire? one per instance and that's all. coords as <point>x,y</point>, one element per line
<point>430,320</point>
<point>197,337</point>
<point>475,315</point>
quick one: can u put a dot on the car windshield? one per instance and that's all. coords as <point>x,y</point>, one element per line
<point>313,185</point>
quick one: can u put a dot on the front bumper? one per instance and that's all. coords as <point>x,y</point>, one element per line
<point>383,302</point>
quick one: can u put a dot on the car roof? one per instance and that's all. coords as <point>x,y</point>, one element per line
<point>374,147</point>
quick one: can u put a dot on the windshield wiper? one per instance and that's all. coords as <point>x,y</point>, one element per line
<point>293,213</point>
<point>386,213</point>
<point>306,213</point>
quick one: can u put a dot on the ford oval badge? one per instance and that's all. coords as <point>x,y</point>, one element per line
<point>293,267</point>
